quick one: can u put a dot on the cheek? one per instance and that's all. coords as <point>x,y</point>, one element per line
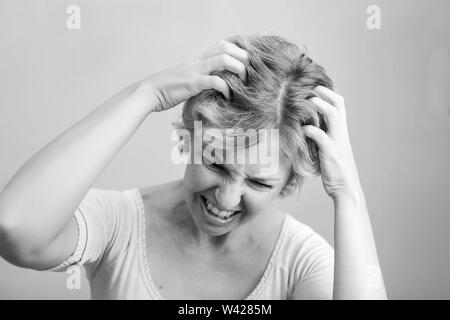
<point>257,202</point>
<point>196,179</point>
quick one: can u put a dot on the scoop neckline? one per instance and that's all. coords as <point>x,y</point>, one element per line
<point>151,287</point>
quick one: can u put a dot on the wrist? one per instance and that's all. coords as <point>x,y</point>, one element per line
<point>348,196</point>
<point>145,94</point>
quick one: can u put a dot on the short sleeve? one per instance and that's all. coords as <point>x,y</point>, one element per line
<point>316,283</point>
<point>104,219</point>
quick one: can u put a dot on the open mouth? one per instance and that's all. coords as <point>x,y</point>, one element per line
<point>222,216</point>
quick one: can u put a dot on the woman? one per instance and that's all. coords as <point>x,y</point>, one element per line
<point>217,233</point>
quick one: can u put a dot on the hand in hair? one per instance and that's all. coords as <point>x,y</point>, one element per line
<point>177,84</point>
<point>337,165</point>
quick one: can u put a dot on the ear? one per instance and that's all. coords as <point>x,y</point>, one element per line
<point>289,187</point>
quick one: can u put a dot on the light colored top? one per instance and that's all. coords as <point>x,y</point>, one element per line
<point>112,248</point>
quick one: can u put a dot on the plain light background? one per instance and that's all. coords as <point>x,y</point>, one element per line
<point>395,81</point>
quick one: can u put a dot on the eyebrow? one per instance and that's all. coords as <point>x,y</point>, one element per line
<point>259,179</point>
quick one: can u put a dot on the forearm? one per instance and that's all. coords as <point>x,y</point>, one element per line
<point>357,273</point>
<point>41,197</point>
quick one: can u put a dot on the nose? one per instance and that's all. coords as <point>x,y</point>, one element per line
<point>229,194</point>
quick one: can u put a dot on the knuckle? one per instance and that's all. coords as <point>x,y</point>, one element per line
<point>209,63</point>
<point>226,46</point>
<point>314,100</point>
<point>214,63</point>
<point>333,113</point>
<point>212,80</point>
<point>224,59</point>
<point>215,81</point>
<point>223,45</point>
<point>231,38</point>
<point>242,67</point>
<point>320,135</point>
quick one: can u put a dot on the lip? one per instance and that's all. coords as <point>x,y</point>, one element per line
<point>202,196</point>
<point>212,219</point>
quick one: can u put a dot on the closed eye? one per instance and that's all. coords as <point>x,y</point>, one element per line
<point>261,185</point>
<point>220,168</point>
<point>216,167</point>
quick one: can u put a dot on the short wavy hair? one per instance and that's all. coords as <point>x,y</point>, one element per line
<point>280,79</point>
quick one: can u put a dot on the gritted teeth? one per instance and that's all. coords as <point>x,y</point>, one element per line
<point>224,214</point>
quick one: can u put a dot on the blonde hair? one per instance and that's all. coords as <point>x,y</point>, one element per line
<point>280,79</point>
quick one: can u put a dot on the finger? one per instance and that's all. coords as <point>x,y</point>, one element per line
<point>331,97</point>
<point>226,62</point>
<point>329,112</point>
<point>214,82</point>
<point>319,136</point>
<point>229,48</point>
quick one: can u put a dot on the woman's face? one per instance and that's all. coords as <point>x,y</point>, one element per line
<point>221,197</point>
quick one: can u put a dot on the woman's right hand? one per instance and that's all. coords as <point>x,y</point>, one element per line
<point>52,183</point>
<point>177,84</point>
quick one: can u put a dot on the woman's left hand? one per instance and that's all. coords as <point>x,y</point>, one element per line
<point>337,164</point>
